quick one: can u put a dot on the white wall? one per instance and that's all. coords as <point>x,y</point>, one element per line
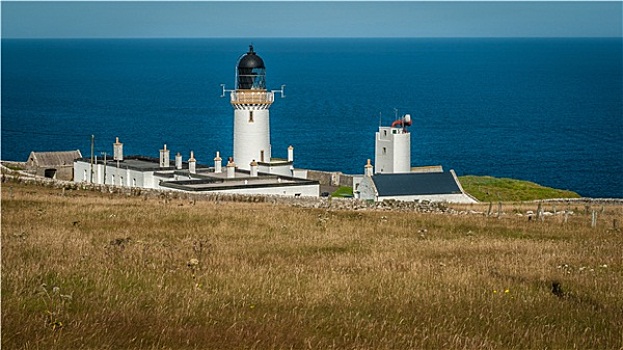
<point>251,137</point>
<point>448,198</point>
<point>304,190</point>
<point>284,170</point>
<point>79,172</point>
<point>299,173</point>
<point>356,183</point>
<point>367,190</point>
<point>114,175</point>
<point>402,152</point>
<point>392,151</point>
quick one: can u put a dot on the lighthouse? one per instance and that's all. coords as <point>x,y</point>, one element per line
<point>251,102</point>
<point>393,147</point>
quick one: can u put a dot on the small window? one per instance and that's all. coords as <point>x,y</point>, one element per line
<point>250,116</point>
<point>384,150</point>
<point>134,182</point>
<point>384,132</point>
<point>394,131</point>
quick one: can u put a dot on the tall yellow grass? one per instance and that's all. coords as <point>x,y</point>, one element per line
<point>82,270</point>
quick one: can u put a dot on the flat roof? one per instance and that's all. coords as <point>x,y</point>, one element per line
<point>244,182</point>
<point>139,163</point>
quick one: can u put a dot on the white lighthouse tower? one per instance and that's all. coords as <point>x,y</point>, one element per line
<point>251,102</point>
<point>393,148</point>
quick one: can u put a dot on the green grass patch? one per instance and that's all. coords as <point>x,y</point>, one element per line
<point>491,189</point>
<point>343,192</point>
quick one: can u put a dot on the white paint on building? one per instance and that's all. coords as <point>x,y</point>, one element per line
<point>393,148</point>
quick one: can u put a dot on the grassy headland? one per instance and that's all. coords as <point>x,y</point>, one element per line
<point>491,189</point>
<point>86,270</point>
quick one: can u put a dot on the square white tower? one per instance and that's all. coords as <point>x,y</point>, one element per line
<point>392,150</point>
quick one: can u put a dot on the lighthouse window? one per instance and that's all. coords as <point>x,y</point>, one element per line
<point>251,117</point>
<point>384,132</point>
<point>384,150</point>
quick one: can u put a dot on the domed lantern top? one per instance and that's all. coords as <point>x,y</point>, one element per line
<point>250,72</point>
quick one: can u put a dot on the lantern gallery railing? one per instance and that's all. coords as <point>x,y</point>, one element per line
<point>252,96</point>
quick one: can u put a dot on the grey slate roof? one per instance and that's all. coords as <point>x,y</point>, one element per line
<point>54,158</point>
<point>415,184</point>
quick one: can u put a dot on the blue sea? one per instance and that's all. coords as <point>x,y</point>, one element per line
<point>543,110</point>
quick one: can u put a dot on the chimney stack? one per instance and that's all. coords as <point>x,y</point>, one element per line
<point>254,169</point>
<point>117,150</point>
<point>164,157</point>
<point>218,163</point>
<point>368,169</point>
<point>178,161</point>
<point>192,163</point>
<point>290,154</point>
<point>231,168</point>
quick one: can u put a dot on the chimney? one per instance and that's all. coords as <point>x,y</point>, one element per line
<point>192,163</point>
<point>253,168</point>
<point>290,154</point>
<point>117,150</point>
<point>231,168</point>
<point>164,157</point>
<point>368,169</point>
<point>218,163</point>
<point>178,161</point>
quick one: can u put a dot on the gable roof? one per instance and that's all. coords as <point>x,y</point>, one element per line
<point>54,158</point>
<point>409,184</point>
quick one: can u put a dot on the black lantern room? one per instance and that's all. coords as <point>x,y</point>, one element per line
<point>250,72</point>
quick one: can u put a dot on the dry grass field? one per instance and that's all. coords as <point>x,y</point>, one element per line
<point>86,270</point>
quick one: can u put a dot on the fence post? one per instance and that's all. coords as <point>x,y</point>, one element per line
<point>594,219</point>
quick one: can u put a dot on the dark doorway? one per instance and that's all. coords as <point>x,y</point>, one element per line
<point>50,173</point>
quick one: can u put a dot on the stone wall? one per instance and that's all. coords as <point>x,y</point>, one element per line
<point>330,178</point>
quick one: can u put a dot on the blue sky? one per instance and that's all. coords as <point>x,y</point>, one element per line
<point>248,19</point>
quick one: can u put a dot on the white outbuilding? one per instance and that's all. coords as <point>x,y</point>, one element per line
<point>161,174</point>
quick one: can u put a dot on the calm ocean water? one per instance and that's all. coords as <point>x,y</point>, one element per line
<point>544,110</point>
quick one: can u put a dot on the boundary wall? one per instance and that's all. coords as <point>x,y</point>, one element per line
<point>330,178</point>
